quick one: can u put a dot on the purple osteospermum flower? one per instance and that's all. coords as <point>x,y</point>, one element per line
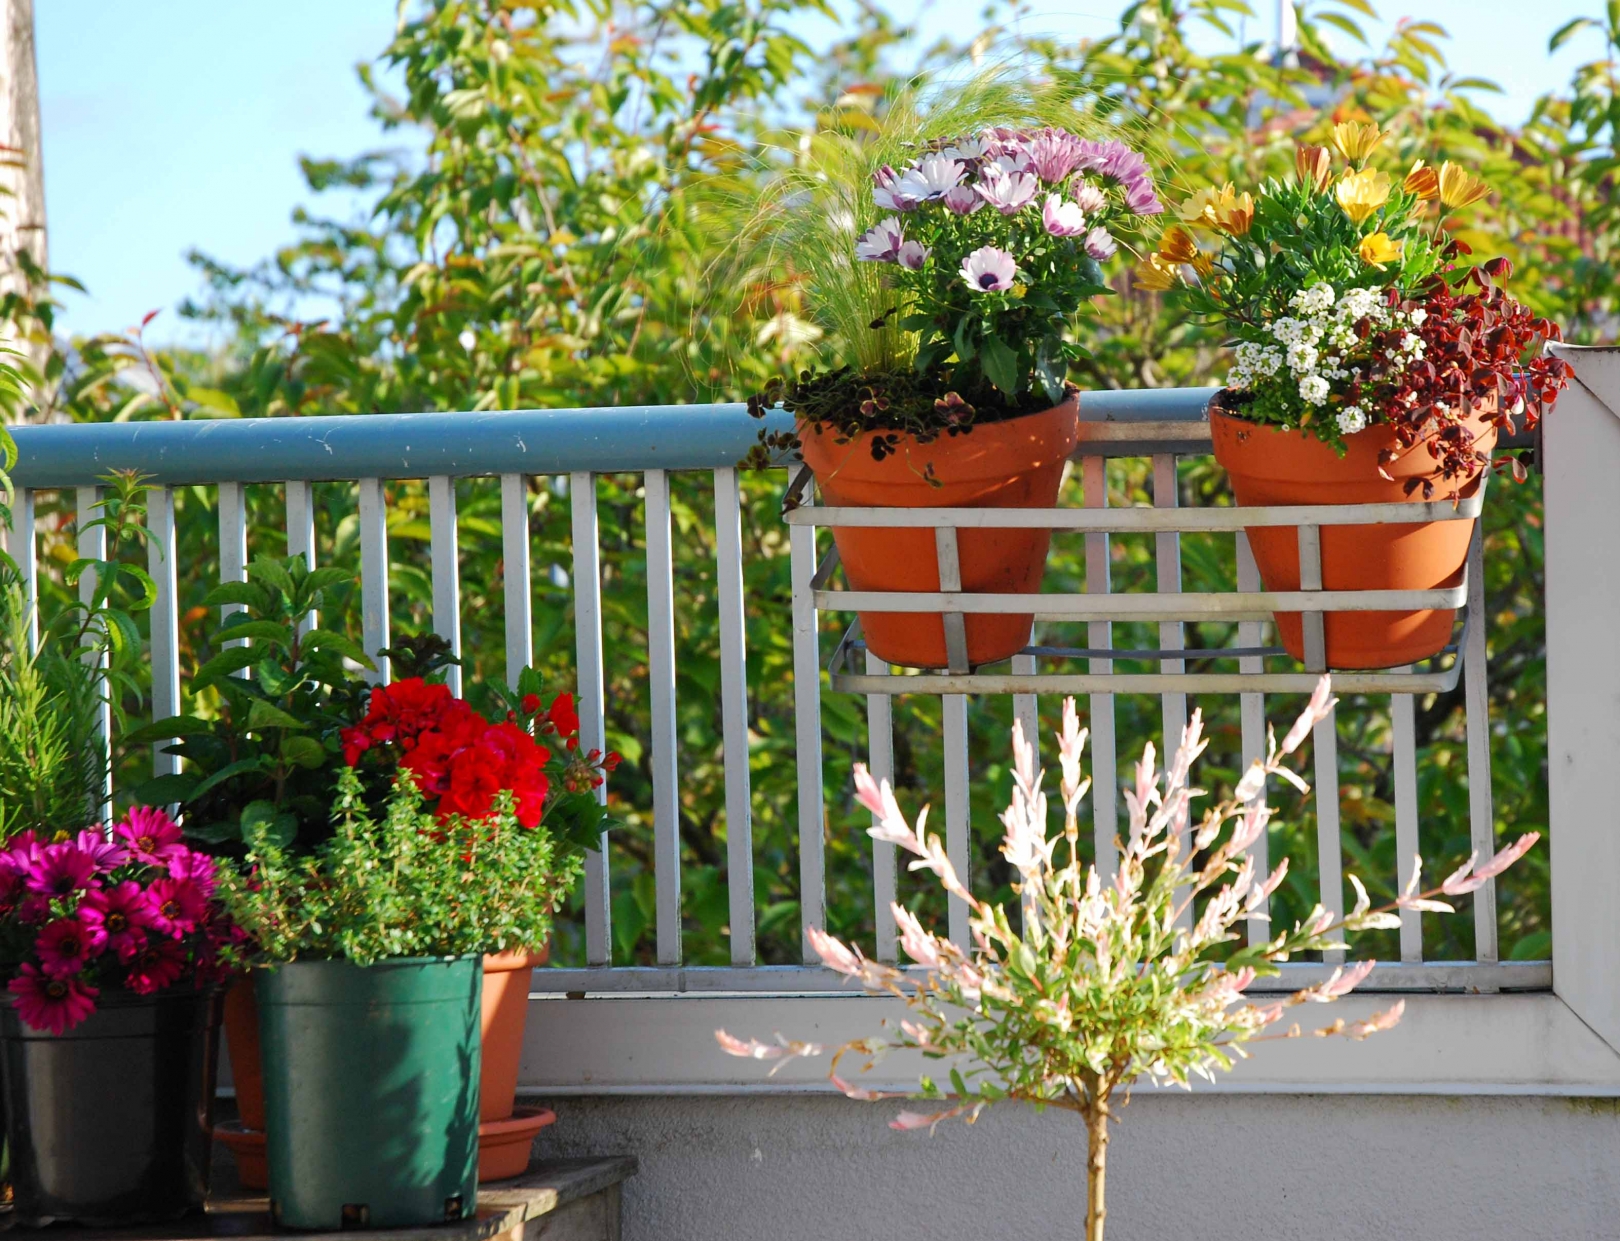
<point>1010,192</point>
<point>1053,155</point>
<point>1118,162</point>
<point>159,965</point>
<point>989,269</point>
<point>54,1004</point>
<point>198,867</point>
<point>34,909</point>
<point>1100,245</point>
<point>880,243</point>
<point>885,191</point>
<point>963,200</point>
<point>108,855</point>
<point>1062,219</point>
<point>178,906</point>
<point>1142,200</point>
<point>1089,198</point>
<point>66,945</point>
<point>61,870</point>
<point>121,915</point>
<point>150,835</point>
<point>930,179</point>
<point>913,254</point>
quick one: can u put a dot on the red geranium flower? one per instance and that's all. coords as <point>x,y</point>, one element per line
<point>564,718</point>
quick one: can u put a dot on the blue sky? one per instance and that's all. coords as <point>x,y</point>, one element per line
<point>178,123</point>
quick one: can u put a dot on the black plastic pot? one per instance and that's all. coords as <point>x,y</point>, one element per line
<point>110,1122</point>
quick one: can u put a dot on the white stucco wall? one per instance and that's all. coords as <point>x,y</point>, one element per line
<point>1300,1167</point>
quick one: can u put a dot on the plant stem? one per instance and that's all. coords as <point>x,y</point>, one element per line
<point>1096,1169</point>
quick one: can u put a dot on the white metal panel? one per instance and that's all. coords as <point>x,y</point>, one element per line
<point>301,533</point>
<point>958,811</point>
<point>592,700</point>
<point>1100,636</point>
<point>445,553</point>
<point>93,546</point>
<point>519,587</point>
<point>165,618</point>
<point>1403,735</point>
<point>1310,578</point>
<point>1167,558</point>
<point>24,548</point>
<point>1252,715</point>
<point>734,719</point>
<point>374,576</point>
<point>1329,849</point>
<point>1481,812</point>
<point>662,726</point>
<point>1026,710</point>
<point>807,736</point>
<point>880,761</point>
<point>233,547</point>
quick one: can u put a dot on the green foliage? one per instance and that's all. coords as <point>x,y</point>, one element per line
<point>398,884</point>
<point>263,745</point>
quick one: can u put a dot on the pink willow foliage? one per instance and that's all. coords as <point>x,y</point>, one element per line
<point>1096,942</point>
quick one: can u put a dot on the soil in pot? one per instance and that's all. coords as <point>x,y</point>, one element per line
<point>1269,466</point>
<point>1017,463</point>
<point>371,1091</point>
<point>110,1122</point>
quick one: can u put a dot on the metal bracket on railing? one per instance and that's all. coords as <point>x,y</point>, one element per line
<point>1311,601</point>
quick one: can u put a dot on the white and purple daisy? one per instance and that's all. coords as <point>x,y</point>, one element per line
<point>963,200</point>
<point>1100,244</point>
<point>1053,155</point>
<point>885,191</point>
<point>913,254</point>
<point>881,243</point>
<point>1009,192</point>
<point>930,179</point>
<point>1062,219</point>
<point>989,269</point>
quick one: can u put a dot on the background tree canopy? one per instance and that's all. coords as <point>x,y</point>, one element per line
<point>550,237</point>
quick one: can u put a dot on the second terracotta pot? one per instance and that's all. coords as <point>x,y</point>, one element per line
<point>1013,464</point>
<point>1271,466</point>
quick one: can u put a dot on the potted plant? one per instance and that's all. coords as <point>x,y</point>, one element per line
<point>462,763</point>
<point>371,947</point>
<point>948,258</point>
<point>110,942</point>
<point>1104,985</point>
<point>1373,363</point>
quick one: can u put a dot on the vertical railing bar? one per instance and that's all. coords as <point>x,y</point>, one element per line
<point>1481,810</point>
<point>591,704</point>
<point>807,735</point>
<point>734,726</point>
<point>950,580</point>
<point>880,735</point>
<point>301,533</point>
<point>1310,578</point>
<point>1329,848</point>
<point>1026,710</point>
<point>1252,714</point>
<point>374,576</point>
<point>1403,743</point>
<point>519,586</point>
<point>958,825</point>
<point>24,547</point>
<point>165,619</point>
<point>1100,636</point>
<point>93,546</point>
<point>662,726</point>
<point>233,548</point>
<point>445,551</point>
<point>1172,635</point>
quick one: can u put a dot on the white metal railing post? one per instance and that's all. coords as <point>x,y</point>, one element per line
<point>374,576</point>
<point>161,549</point>
<point>1476,693</point>
<point>734,715</point>
<point>592,705</point>
<point>93,546</point>
<point>880,761</point>
<point>300,495</point>
<point>519,586</point>
<point>24,548</point>
<point>1252,714</point>
<point>807,736</point>
<point>1100,636</point>
<point>662,727</point>
<point>444,548</point>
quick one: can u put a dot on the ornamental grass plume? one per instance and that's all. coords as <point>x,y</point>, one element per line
<point>1113,974</point>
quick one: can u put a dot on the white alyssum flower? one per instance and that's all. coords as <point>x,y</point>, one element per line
<point>1352,418</point>
<point>1313,389</point>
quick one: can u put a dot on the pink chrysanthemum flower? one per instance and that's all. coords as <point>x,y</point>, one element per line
<point>121,914</point>
<point>150,834</point>
<point>66,945</point>
<point>177,906</point>
<point>158,965</point>
<point>60,870</point>
<point>54,1004</point>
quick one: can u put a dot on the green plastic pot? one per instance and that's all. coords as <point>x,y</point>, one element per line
<point>371,1091</point>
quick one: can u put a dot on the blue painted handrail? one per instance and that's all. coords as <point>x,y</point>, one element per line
<point>552,441</point>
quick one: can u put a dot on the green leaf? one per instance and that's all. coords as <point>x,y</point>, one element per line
<point>303,751</point>
<point>319,580</point>
<point>221,833</point>
<point>1000,365</point>
<point>338,644</point>
<point>263,630</point>
<point>165,790</point>
<point>244,593</point>
<point>275,573</point>
<point>222,665</point>
<point>167,730</point>
<point>264,714</point>
<point>263,823</point>
<point>225,773</point>
<point>1568,31</point>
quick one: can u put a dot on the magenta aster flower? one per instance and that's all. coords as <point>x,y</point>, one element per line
<point>66,945</point>
<point>198,867</point>
<point>177,906</point>
<point>34,909</point>
<point>1010,192</point>
<point>158,965</point>
<point>881,243</point>
<point>121,914</point>
<point>108,855</point>
<point>60,870</point>
<point>1062,219</point>
<point>989,270</point>
<point>54,1004</point>
<point>20,853</point>
<point>150,834</point>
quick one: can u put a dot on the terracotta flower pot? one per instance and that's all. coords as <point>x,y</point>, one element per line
<point>1013,464</point>
<point>505,1133</point>
<point>1269,466</point>
<point>245,1136</point>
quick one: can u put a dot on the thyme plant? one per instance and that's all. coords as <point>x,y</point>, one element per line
<point>1111,975</point>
